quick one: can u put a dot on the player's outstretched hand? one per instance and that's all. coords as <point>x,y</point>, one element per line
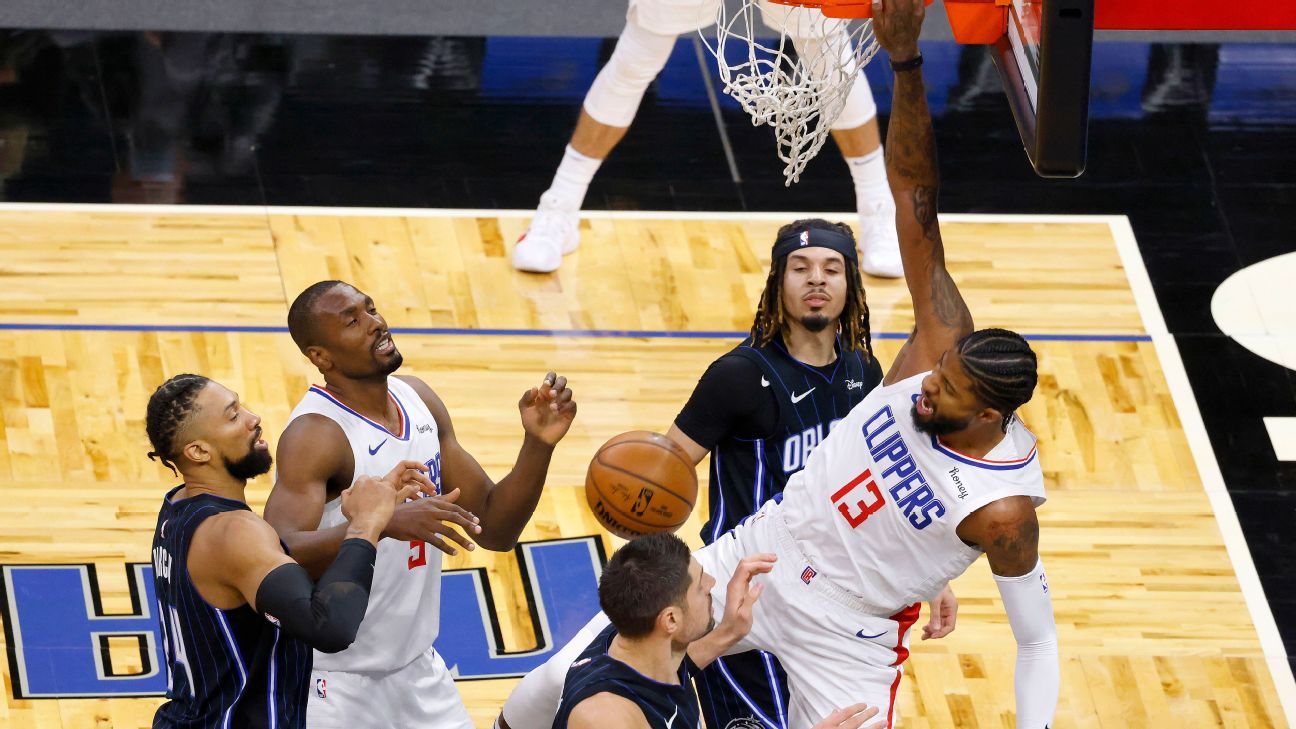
<point>432,519</point>
<point>852,717</point>
<point>368,505</point>
<point>741,596</point>
<point>411,472</point>
<point>548,410</point>
<point>896,24</point>
<point>944,613</point>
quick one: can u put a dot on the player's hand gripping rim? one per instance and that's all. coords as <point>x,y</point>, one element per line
<point>896,25</point>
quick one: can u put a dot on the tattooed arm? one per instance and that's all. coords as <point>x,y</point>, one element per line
<point>941,316</point>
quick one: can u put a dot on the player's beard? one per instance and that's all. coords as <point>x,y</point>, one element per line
<point>255,463</point>
<point>391,365</point>
<point>937,426</point>
<point>815,323</point>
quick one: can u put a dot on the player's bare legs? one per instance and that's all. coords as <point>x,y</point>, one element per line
<point>609,107</point>
<point>555,231</point>
<point>861,148</point>
<point>594,139</point>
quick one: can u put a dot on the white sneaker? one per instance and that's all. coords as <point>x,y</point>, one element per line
<point>881,245</point>
<point>554,233</point>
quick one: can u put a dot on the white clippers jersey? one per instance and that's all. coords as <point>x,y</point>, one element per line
<point>877,505</point>
<point>404,613</point>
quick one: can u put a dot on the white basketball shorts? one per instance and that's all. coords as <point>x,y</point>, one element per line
<point>837,650</point>
<point>422,694</point>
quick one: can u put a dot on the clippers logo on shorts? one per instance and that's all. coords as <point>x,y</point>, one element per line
<point>808,574</point>
<point>321,688</point>
<point>912,494</point>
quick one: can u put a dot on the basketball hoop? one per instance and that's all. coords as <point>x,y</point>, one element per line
<point>801,91</point>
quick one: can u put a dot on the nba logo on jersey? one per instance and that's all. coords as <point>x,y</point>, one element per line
<point>805,238</point>
<point>808,574</point>
<point>321,688</point>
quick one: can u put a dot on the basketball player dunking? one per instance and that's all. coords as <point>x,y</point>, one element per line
<point>239,617</point>
<point>761,409</point>
<point>359,422</point>
<point>927,473</point>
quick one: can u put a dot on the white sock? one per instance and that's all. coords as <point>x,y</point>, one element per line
<point>872,192</point>
<point>572,179</point>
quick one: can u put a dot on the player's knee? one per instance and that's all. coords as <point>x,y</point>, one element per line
<point>860,107</point>
<point>639,56</point>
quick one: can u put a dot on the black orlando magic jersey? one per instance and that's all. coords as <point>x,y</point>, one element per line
<point>225,668</point>
<point>664,705</point>
<point>751,463</point>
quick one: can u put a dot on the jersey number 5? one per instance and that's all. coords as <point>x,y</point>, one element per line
<point>418,554</point>
<point>864,508</point>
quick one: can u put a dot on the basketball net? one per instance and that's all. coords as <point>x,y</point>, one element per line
<point>799,92</point>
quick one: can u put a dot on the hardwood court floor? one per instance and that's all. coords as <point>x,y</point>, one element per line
<point>1152,623</point>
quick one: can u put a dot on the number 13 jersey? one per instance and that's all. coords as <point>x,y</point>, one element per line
<point>876,508</point>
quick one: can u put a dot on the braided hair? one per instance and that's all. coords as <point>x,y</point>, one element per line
<point>1002,367</point>
<point>853,325</point>
<point>168,409</point>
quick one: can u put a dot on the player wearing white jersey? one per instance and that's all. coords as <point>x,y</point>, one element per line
<point>362,421</point>
<point>924,475</point>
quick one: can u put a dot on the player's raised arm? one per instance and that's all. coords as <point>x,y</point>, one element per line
<point>504,508</point>
<point>1008,531</point>
<point>941,316</point>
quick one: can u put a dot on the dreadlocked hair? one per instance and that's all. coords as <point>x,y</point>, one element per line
<point>168,409</point>
<point>1002,367</point>
<point>853,325</point>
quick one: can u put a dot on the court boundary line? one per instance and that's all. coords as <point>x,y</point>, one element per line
<point>344,212</point>
<point>1194,428</point>
<point>466,332</point>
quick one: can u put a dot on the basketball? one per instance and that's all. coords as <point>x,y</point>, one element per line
<point>641,483</point>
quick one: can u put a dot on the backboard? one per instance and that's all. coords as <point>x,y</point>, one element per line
<point>1043,59</point>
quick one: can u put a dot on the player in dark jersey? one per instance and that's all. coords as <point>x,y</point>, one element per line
<point>761,408</point>
<point>239,616</point>
<point>635,674</point>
